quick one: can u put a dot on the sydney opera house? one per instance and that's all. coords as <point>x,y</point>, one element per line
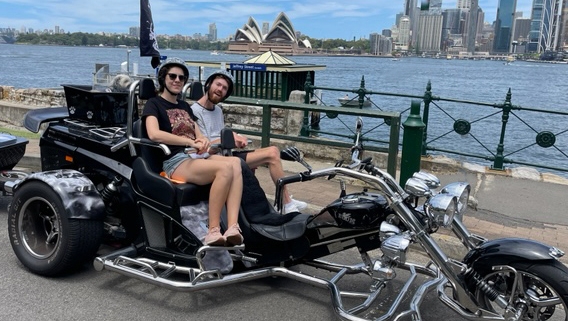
<point>281,38</point>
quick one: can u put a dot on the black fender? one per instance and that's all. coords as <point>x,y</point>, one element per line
<point>79,195</point>
<point>506,250</point>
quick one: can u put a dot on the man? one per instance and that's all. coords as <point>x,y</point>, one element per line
<point>218,87</point>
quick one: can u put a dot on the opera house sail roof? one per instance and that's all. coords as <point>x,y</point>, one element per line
<point>280,38</point>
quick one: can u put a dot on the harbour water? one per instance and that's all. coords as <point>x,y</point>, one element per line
<point>533,85</point>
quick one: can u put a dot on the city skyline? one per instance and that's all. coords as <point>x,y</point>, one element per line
<point>325,20</point>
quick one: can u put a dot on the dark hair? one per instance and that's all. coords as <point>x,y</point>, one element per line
<point>165,68</point>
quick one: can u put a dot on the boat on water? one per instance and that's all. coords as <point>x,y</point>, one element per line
<point>509,60</point>
<point>353,102</point>
<point>215,52</point>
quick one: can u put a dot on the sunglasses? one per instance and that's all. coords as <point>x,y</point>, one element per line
<point>174,76</point>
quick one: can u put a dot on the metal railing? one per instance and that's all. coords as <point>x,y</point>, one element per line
<point>266,134</point>
<point>501,133</point>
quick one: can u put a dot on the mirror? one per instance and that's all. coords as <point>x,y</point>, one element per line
<point>291,154</point>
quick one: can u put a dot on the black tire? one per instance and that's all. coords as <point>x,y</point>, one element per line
<point>43,238</point>
<point>545,280</point>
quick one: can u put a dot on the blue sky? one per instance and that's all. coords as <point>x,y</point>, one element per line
<point>317,19</point>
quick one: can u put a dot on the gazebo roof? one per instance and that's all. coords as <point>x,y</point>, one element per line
<point>270,58</point>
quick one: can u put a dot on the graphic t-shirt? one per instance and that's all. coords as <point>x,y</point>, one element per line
<point>177,119</point>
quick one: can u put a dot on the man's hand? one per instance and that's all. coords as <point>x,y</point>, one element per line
<point>241,141</point>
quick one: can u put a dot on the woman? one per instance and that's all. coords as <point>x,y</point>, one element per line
<point>170,121</point>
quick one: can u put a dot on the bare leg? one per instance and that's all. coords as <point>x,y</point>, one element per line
<point>236,189</point>
<point>219,172</point>
<point>271,156</point>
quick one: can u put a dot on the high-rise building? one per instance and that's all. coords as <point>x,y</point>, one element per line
<point>412,11</point>
<point>386,32</point>
<point>504,25</point>
<point>472,22</point>
<point>521,29</point>
<point>451,26</point>
<point>404,33</point>
<point>464,4</point>
<point>409,6</point>
<point>429,38</point>
<point>380,45</point>
<point>435,7</point>
<point>546,25</point>
<point>212,32</point>
<point>56,30</point>
<point>134,31</point>
<point>564,29</point>
<point>265,28</point>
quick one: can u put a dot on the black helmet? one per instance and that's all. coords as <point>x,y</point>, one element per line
<point>224,74</point>
<point>167,65</point>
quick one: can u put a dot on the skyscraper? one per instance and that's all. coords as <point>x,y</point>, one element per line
<point>409,6</point>
<point>380,45</point>
<point>212,32</point>
<point>504,25</point>
<point>265,28</point>
<point>435,7</point>
<point>472,20</point>
<point>546,25</point>
<point>404,33</point>
<point>464,4</point>
<point>412,11</point>
<point>429,33</point>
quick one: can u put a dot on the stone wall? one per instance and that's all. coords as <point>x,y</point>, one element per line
<point>16,102</point>
<point>38,97</point>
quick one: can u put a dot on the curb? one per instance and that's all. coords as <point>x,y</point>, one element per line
<point>31,162</point>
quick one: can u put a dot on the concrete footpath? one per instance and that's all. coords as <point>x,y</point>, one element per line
<point>519,203</point>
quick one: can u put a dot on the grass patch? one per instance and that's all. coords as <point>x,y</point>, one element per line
<point>21,133</point>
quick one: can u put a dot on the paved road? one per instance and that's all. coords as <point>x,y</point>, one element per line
<point>505,207</point>
<point>89,295</point>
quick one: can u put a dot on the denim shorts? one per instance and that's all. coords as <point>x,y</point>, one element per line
<point>173,162</point>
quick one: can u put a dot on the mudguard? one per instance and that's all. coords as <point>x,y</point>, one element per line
<point>506,250</point>
<point>78,194</point>
<point>35,117</point>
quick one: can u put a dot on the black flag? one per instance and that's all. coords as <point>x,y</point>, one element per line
<point>148,41</point>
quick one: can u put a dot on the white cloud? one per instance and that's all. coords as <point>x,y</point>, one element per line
<point>322,18</point>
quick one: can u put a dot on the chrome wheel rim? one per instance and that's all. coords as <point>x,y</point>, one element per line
<point>40,227</point>
<point>542,301</point>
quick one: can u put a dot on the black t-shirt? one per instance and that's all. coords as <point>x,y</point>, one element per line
<point>177,119</point>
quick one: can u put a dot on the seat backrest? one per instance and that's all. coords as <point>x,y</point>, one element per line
<point>147,167</point>
<point>147,89</point>
<point>195,90</point>
<point>153,157</point>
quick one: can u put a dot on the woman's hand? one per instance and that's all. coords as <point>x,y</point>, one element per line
<point>202,145</point>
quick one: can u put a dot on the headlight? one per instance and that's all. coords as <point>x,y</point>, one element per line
<point>416,187</point>
<point>441,210</point>
<point>429,179</point>
<point>461,191</point>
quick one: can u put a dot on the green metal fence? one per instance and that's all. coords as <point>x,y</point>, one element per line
<point>392,142</point>
<point>501,133</point>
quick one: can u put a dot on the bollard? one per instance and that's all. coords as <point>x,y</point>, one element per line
<point>411,143</point>
<point>305,131</point>
<point>499,158</point>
